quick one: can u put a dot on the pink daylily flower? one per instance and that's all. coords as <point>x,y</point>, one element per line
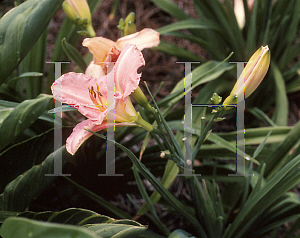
<point>105,50</point>
<point>89,95</point>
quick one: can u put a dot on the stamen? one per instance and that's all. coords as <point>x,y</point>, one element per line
<point>98,91</point>
<point>93,92</point>
<point>96,100</point>
<point>99,94</point>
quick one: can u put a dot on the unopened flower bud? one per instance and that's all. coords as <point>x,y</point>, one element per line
<point>127,27</point>
<point>78,12</point>
<point>130,28</point>
<point>252,76</point>
<point>140,98</point>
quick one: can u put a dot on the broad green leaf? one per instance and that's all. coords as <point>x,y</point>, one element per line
<point>180,234</point>
<point>16,227</point>
<point>102,225</point>
<point>20,192</point>
<point>4,112</point>
<point>34,62</point>
<point>21,117</point>
<point>116,230</point>
<point>71,216</point>
<point>20,28</point>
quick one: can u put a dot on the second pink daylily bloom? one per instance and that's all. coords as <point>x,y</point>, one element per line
<point>105,50</point>
<point>89,95</point>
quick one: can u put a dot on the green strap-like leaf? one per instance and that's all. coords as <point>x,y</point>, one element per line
<point>174,202</point>
<point>20,28</point>
<point>176,51</point>
<point>282,103</point>
<point>285,179</point>
<point>73,54</point>
<point>171,8</point>
<point>188,24</point>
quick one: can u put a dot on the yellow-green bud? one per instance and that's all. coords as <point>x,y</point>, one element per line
<point>70,12</point>
<point>127,27</point>
<point>140,98</point>
<point>252,76</point>
<point>78,12</point>
<point>130,28</point>
<point>121,25</point>
<point>130,17</point>
<point>216,99</point>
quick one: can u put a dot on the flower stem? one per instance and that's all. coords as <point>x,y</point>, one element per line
<point>142,123</point>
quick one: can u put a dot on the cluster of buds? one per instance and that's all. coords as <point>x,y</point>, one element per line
<point>79,13</point>
<point>127,27</point>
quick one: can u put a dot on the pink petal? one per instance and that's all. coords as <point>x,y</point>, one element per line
<point>126,77</point>
<point>145,38</point>
<point>72,88</point>
<point>79,134</point>
<point>124,110</point>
